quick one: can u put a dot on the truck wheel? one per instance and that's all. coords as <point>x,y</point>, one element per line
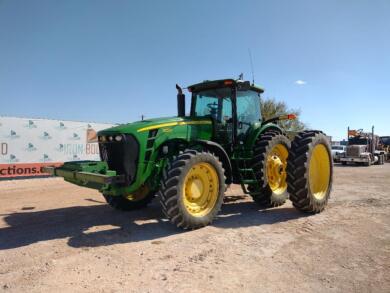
<point>140,199</point>
<point>310,171</point>
<point>269,164</point>
<point>192,189</point>
<point>344,163</point>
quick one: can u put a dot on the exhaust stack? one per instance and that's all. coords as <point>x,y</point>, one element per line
<point>181,102</point>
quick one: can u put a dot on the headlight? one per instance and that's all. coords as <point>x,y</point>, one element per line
<point>110,138</point>
<point>118,137</point>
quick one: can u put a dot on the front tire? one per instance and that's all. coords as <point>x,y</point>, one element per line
<point>192,189</point>
<point>310,171</point>
<point>140,199</point>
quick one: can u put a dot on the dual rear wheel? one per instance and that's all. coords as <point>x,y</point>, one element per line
<point>301,170</point>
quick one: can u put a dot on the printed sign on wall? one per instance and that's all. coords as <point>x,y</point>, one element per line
<point>26,145</point>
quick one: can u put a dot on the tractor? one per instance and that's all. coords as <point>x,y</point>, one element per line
<point>188,161</point>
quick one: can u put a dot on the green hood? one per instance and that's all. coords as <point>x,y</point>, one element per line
<point>155,123</point>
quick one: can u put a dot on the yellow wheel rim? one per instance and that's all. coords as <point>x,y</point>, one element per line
<point>319,171</point>
<point>139,194</point>
<point>276,169</point>
<point>200,189</point>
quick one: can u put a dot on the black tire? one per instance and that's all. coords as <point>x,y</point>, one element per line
<point>298,178</point>
<point>382,159</point>
<point>171,190</point>
<point>123,204</point>
<point>344,163</point>
<point>368,163</point>
<point>265,197</point>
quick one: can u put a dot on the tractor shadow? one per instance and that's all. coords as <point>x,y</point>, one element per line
<point>100,225</point>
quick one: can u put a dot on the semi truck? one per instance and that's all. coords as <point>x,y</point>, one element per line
<point>363,148</point>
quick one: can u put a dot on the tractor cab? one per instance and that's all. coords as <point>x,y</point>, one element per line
<point>232,105</point>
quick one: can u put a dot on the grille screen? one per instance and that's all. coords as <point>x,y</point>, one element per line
<point>121,156</point>
<point>354,151</point>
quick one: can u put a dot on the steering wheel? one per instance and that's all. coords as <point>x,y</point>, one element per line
<point>212,106</point>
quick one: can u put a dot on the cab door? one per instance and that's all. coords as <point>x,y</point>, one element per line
<point>248,112</point>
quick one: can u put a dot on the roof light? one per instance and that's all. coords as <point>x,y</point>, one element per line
<point>288,117</point>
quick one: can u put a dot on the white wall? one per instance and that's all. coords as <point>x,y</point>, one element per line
<point>28,144</point>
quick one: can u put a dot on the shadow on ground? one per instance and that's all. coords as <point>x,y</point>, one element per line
<point>78,223</point>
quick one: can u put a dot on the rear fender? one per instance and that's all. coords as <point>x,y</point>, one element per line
<point>259,131</point>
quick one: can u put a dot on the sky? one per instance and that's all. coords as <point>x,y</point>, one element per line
<point>111,61</point>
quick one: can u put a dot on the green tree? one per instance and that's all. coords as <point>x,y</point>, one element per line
<point>271,108</point>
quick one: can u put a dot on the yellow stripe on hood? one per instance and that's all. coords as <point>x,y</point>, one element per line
<point>174,124</point>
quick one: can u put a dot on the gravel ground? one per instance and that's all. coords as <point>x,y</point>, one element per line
<point>58,237</point>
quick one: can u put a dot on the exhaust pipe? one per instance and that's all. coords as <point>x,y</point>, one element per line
<point>181,102</point>
<point>373,142</point>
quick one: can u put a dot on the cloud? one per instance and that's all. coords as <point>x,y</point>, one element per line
<point>300,82</point>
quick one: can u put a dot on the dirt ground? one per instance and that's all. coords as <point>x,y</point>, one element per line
<point>58,237</point>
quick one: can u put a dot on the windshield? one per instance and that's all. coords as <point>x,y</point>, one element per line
<point>358,140</point>
<point>213,103</point>
<point>337,148</point>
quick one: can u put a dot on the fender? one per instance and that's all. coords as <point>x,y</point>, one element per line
<point>258,131</point>
<point>219,151</point>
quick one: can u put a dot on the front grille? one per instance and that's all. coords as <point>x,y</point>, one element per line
<point>121,157</point>
<point>354,150</point>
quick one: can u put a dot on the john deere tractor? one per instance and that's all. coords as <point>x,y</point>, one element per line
<point>188,161</point>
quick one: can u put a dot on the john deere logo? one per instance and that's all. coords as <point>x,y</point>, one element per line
<point>13,158</point>
<point>75,136</point>
<point>62,125</point>
<point>31,124</point>
<point>13,134</point>
<point>46,158</point>
<point>76,158</point>
<point>31,147</point>
<point>46,135</point>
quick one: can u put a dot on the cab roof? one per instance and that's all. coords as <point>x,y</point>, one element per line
<point>208,84</point>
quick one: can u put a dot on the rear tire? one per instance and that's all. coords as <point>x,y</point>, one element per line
<point>310,171</point>
<point>192,189</point>
<point>273,191</point>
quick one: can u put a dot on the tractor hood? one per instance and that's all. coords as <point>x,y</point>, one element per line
<point>156,123</point>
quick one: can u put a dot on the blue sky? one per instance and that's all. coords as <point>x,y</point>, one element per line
<point>111,61</point>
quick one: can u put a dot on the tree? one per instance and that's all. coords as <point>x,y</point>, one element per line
<point>271,108</point>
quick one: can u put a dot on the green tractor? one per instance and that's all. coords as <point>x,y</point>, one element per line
<point>189,161</point>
